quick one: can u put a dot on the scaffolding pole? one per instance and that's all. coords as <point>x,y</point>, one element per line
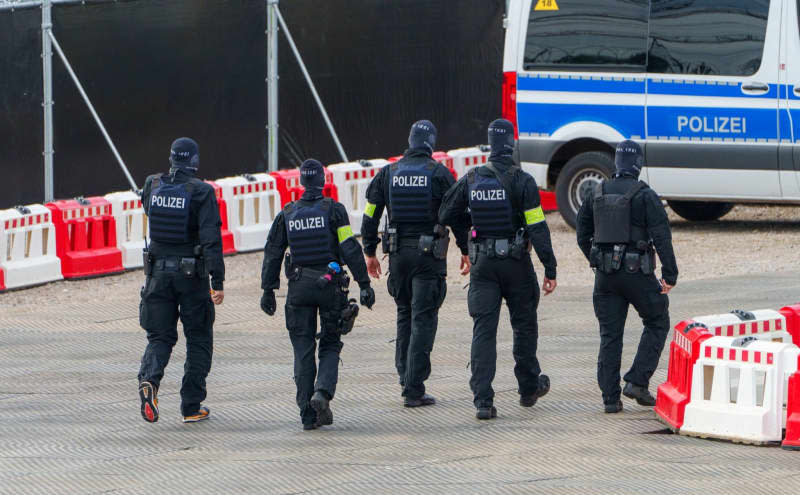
<point>92,110</point>
<point>47,100</point>
<point>272,86</point>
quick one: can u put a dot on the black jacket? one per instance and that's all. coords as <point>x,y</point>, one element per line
<point>647,211</point>
<point>456,201</point>
<point>277,242</point>
<point>378,199</point>
<point>205,226</point>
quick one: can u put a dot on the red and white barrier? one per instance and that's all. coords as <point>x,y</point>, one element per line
<point>290,189</point>
<point>792,315</point>
<point>352,180</point>
<point>252,202</point>
<point>763,324</point>
<point>791,440</point>
<point>738,390</point>
<point>2,280</point>
<point>227,236</point>
<point>465,159</point>
<point>131,222</point>
<point>28,247</point>
<point>86,237</point>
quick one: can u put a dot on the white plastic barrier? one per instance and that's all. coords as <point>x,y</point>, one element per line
<point>28,247</point>
<point>465,159</point>
<point>253,203</point>
<point>739,390</point>
<point>126,207</point>
<point>352,180</point>
<point>763,324</point>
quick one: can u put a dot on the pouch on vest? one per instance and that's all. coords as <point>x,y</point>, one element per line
<point>411,191</point>
<point>169,212</point>
<point>612,215</point>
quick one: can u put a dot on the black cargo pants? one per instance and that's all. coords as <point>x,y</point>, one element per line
<point>612,295</point>
<point>168,295</point>
<point>491,281</point>
<point>417,282</point>
<point>304,299</point>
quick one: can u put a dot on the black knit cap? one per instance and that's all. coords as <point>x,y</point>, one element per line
<point>501,137</point>
<point>312,174</point>
<point>422,135</point>
<point>185,153</point>
<point>629,158</point>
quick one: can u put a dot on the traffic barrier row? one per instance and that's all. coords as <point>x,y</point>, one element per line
<point>352,180</point>
<point>252,203</point>
<point>735,377</point>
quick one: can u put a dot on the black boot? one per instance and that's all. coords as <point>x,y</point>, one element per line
<point>486,413</point>
<point>425,400</point>
<point>321,404</point>
<point>640,394</point>
<point>613,407</point>
<point>544,387</point>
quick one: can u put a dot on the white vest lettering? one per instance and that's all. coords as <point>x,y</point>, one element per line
<point>488,195</point>
<point>307,224</point>
<point>168,202</point>
<point>410,180</point>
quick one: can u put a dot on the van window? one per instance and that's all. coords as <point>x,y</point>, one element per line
<point>713,37</point>
<point>599,35</point>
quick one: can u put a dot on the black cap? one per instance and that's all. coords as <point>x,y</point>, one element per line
<point>422,135</point>
<point>312,174</point>
<point>629,158</point>
<point>501,137</point>
<point>185,153</point>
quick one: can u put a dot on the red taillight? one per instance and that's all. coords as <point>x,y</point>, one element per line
<point>510,100</point>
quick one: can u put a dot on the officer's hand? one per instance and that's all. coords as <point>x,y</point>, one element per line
<point>549,286</point>
<point>665,287</point>
<point>268,303</point>
<point>217,296</point>
<point>466,265</point>
<point>367,297</point>
<point>373,267</point>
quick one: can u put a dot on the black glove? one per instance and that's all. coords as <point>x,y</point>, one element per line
<point>367,297</point>
<point>268,303</point>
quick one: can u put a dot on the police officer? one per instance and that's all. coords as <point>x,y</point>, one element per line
<point>186,246</point>
<point>412,190</point>
<point>619,224</point>
<point>506,216</point>
<point>318,234</point>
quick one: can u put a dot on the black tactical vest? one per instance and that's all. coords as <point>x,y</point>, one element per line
<point>491,207</point>
<point>169,211</point>
<point>311,241</point>
<point>411,191</point>
<point>612,217</point>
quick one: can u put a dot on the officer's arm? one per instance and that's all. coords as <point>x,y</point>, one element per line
<point>273,254</point>
<point>373,212</point>
<point>659,230</point>
<point>536,225</point>
<point>148,185</point>
<point>453,210</point>
<point>210,235</point>
<point>460,225</point>
<point>585,224</point>
<point>351,251</point>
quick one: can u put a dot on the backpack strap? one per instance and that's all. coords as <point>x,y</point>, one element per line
<point>635,189</point>
<point>505,180</point>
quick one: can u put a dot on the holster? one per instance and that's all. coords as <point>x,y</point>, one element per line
<point>441,242</point>
<point>348,316</point>
<point>293,272</point>
<point>595,257</point>
<point>389,240</point>
<point>473,252</point>
<point>147,258</point>
<point>520,246</point>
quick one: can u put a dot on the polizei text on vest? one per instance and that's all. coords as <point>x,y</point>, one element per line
<point>168,202</point>
<point>307,223</point>
<point>410,181</point>
<point>488,195</point>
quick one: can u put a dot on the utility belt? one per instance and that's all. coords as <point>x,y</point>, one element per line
<point>190,267</point>
<point>516,247</point>
<point>624,257</point>
<point>435,244</point>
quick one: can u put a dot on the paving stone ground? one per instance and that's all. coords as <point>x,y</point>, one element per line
<point>69,414</point>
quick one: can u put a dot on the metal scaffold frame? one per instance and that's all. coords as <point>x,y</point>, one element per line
<point>275,21</point>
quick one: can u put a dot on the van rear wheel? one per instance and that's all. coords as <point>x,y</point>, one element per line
<point>700,211</point>
<point>578,178</point>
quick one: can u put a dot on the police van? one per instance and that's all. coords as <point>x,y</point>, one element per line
<point>710,88</point>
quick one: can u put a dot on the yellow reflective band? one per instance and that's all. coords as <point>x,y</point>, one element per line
<point>534,216</point>
<point>369,210</point>
<point>344,233</point>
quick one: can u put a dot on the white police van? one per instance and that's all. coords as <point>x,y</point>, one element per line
<point>711,88</point>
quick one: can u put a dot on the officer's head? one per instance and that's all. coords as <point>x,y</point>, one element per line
<point>501,137</point>
<point>185,154</point>
<point>422,135</point>
<point>629,159</point>
<point>312,175</point>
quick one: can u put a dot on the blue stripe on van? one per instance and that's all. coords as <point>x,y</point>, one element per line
<point>547,118</point>
<point>682,88</point>
<point>785,125</point>
<point>579,85</point>
<point>693,122</point>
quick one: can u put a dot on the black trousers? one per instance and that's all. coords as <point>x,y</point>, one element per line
<point>612,295</point>
<point>491,281</point>
<point>166,296</point>
<point>303,301</point>
<point>418,285</point>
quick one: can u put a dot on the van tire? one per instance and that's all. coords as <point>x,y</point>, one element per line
<point>700,211</point>
<point>577,178</point>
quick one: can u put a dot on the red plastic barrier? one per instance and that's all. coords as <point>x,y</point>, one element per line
<point>674,394</point>
<point>549,202</point>
<point>792,439</point>
<point>288,184</point>
<point>86,237</point>
<point>447,161</point>
<point>792,314</point>
<point>2,280</point>
<point>227,235</point>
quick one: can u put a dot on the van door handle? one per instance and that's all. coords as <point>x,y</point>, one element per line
<point>797,90</point>
<point>755,87</point>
